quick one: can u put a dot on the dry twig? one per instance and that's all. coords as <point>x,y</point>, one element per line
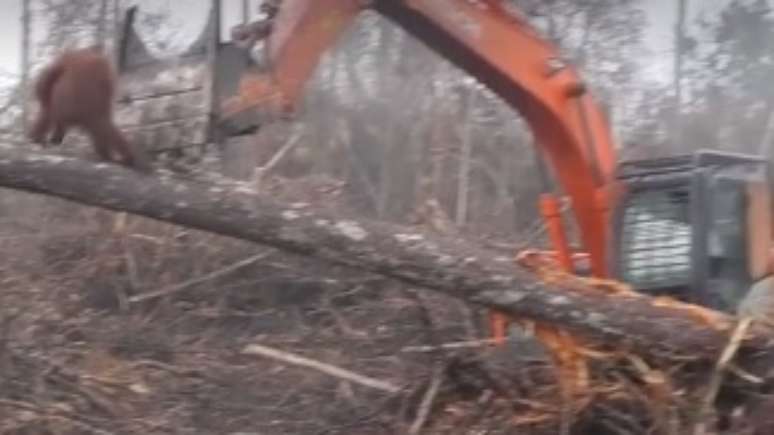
<point>719,373</point>
<point>186,284</point>
<point>328,369</point>
<point>261,171</point>
<point>427,400</point>
<point>452,345</point>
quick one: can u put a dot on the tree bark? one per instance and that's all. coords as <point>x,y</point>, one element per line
<point>447,265</point>
<point>463,176</point>
<point>100,30</point>
<point>26,23</point>
<point>678,70</point>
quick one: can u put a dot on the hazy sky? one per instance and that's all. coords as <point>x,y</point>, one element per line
<point>191,17</point>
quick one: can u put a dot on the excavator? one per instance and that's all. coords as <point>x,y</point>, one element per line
<point>695,227</point>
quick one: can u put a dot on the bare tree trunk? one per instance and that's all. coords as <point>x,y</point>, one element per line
<point>390,41</point>
<point>386,170</point>
<point>245,11</point>
<point>636,323</point>
<point>25,64</point>
<point>116,30</point>
<point>678,70</point>
<point>100,30</point>
<point>764,148</point>
<point>463,178</point>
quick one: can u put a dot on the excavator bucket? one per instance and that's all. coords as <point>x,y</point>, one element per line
<point>164,102</point>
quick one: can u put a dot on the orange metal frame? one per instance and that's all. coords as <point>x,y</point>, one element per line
<point>503,52</point>
<point>500,50</point>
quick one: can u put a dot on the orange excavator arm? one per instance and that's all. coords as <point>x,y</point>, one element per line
<point>493,45</point>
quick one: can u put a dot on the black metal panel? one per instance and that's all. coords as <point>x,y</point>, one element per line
<point>699,259</point>
<point>132,51</point>
<point>706,158</point>
<point>670,211</point>
<point>651,167</point>
<point>655,237</point>
<point>231,63</point>
<point>726,276</point>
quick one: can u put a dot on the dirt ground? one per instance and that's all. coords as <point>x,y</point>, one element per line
<point>115,324</point>
<point>79,353</point>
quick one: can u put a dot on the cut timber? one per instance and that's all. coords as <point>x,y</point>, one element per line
<point>446,265</point>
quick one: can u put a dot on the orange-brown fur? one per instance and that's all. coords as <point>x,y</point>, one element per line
<point>76,90</point>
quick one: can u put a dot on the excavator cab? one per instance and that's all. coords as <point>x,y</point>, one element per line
<point>694,227</point>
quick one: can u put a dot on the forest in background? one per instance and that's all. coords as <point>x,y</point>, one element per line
<point>385,126</point>
<point>398,123</point>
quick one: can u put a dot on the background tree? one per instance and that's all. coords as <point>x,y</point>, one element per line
<point>400,124</point>
<point>726,87</point>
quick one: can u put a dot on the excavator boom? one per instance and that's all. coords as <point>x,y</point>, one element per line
<point>495,46</point>
<point>696,228</point>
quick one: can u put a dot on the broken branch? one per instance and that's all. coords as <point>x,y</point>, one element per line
<point>449,265</point>
<point>328,369</point>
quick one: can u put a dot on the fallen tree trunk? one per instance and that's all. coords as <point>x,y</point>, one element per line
<point>450,266</point>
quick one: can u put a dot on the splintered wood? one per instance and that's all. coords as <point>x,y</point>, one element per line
<point>545,266</point>
<point>570,353</point>
<point>254,90</point>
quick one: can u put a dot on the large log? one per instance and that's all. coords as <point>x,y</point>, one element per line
<point>451,266</point>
